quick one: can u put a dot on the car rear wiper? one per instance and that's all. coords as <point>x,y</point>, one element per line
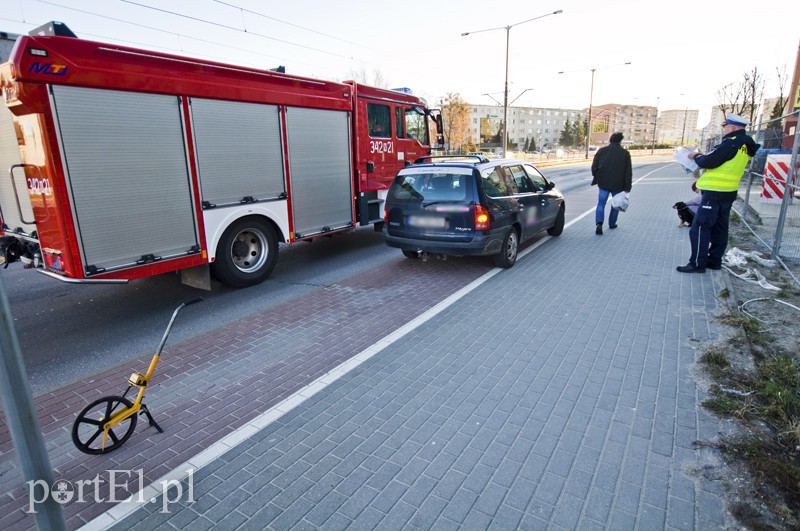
<point>441,201</point>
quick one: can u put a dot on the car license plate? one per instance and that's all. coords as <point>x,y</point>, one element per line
<point>427,222</point>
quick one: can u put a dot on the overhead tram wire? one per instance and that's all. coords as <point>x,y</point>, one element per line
<point>268,17</point>
<point>165,48</point>
<point>334,37</point>
<point>233,28</point>
<point>150,45</point>
<point>262,15</point>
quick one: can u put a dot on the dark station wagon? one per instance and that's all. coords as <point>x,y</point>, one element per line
<point>470,205</point>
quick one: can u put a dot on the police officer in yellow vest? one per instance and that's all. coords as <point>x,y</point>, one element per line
<point>724,167</point>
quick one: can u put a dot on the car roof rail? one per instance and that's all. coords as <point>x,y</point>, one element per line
<point>430,158</point>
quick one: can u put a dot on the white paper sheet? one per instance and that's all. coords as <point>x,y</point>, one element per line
<point>682,156</point>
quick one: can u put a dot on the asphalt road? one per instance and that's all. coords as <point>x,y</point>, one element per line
<point>67,332</point>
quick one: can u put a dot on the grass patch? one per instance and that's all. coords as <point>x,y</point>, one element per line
<point>724,293</point>
<point>715,356</point>
<point>750,326</point>
<point>735,217</point>
<point>716,361</point>
<point>768,466</point>
<point>792,432</point>
<point>788,290</point>
<point>778,386</point>
<point>725,406</point>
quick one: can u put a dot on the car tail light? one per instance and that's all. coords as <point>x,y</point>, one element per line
<point>481,217</point>
<point>385,215</point>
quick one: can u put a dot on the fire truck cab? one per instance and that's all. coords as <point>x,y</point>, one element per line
<point>136,163</point>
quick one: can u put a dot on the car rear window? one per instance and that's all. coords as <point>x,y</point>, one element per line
<point>436,185</point>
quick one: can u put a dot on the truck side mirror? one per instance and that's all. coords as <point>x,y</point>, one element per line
<point>439,132</point>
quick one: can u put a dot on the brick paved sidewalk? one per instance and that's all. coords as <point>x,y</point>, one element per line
<point>207,387</point>
<point>557,394</point>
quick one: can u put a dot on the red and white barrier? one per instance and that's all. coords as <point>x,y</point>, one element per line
<point>775,174</point>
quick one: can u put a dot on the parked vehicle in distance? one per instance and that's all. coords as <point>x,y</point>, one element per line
<point>470,205</point>
<point>487,154</point>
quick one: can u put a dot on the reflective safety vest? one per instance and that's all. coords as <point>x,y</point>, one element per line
<point>726,177</point>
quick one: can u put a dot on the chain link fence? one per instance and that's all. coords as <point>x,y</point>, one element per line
<point>770,190</point>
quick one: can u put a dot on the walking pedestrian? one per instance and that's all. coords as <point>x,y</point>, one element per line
<point>724,167</point>
<point>612,173</point>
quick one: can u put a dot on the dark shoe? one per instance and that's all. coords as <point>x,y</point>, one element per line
<point>599,229</point>
<point>612,226</point>
<point>689,268</point>
<point>714,267</point>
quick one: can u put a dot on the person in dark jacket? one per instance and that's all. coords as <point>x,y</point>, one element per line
<point>724,167</point>
<point>612,172</point>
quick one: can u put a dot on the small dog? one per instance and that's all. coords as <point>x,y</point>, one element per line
<point>684,213</point>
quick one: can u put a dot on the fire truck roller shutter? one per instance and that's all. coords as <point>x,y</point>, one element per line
<point>127,175</point>
<point>239,152</point>
<point>320,168</point>
<point>9,155</point>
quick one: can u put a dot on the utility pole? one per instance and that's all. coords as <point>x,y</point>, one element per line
<point>655,124</point>
<point>22,421</point>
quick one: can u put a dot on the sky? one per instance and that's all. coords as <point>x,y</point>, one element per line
<point>681,52</point>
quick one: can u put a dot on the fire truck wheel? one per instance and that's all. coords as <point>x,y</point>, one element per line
<point>246,254</point>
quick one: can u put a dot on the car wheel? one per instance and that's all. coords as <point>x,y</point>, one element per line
<point>508,255</point>
<point>558,228</point>
<point>246,253</point>
<point>411,254</point>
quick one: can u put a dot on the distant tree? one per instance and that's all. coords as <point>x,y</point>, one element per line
<point>373,79</point>
<point>778,110</point>
<point>580,127</point>
<point>532,147</point>
<point>497,138</point>
<point>455,117</point>
<point>567,138</point>
<point>510,144</point>
<point>743,97</point>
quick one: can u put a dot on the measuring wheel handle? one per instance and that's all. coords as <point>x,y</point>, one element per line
<point>105,424</point>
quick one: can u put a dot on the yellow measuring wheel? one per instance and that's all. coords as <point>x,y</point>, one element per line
<point>108,422</point>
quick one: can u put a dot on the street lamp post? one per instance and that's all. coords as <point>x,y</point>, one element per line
<point>505,92</point>
<point>655,124</point>
<point>589,115</point>
<point>683,132</point>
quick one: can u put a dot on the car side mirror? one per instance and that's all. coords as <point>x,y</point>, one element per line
<point>550,185</point>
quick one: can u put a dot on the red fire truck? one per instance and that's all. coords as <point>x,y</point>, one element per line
<point>136,163</point>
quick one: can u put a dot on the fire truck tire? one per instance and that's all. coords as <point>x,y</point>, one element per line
<point>246,253</point>
<point>87,431</point>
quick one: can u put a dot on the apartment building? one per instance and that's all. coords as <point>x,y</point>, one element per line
<point>676,124</point>
<point>545,125</point>
<point>635,122</point>
<point>542,125</point>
